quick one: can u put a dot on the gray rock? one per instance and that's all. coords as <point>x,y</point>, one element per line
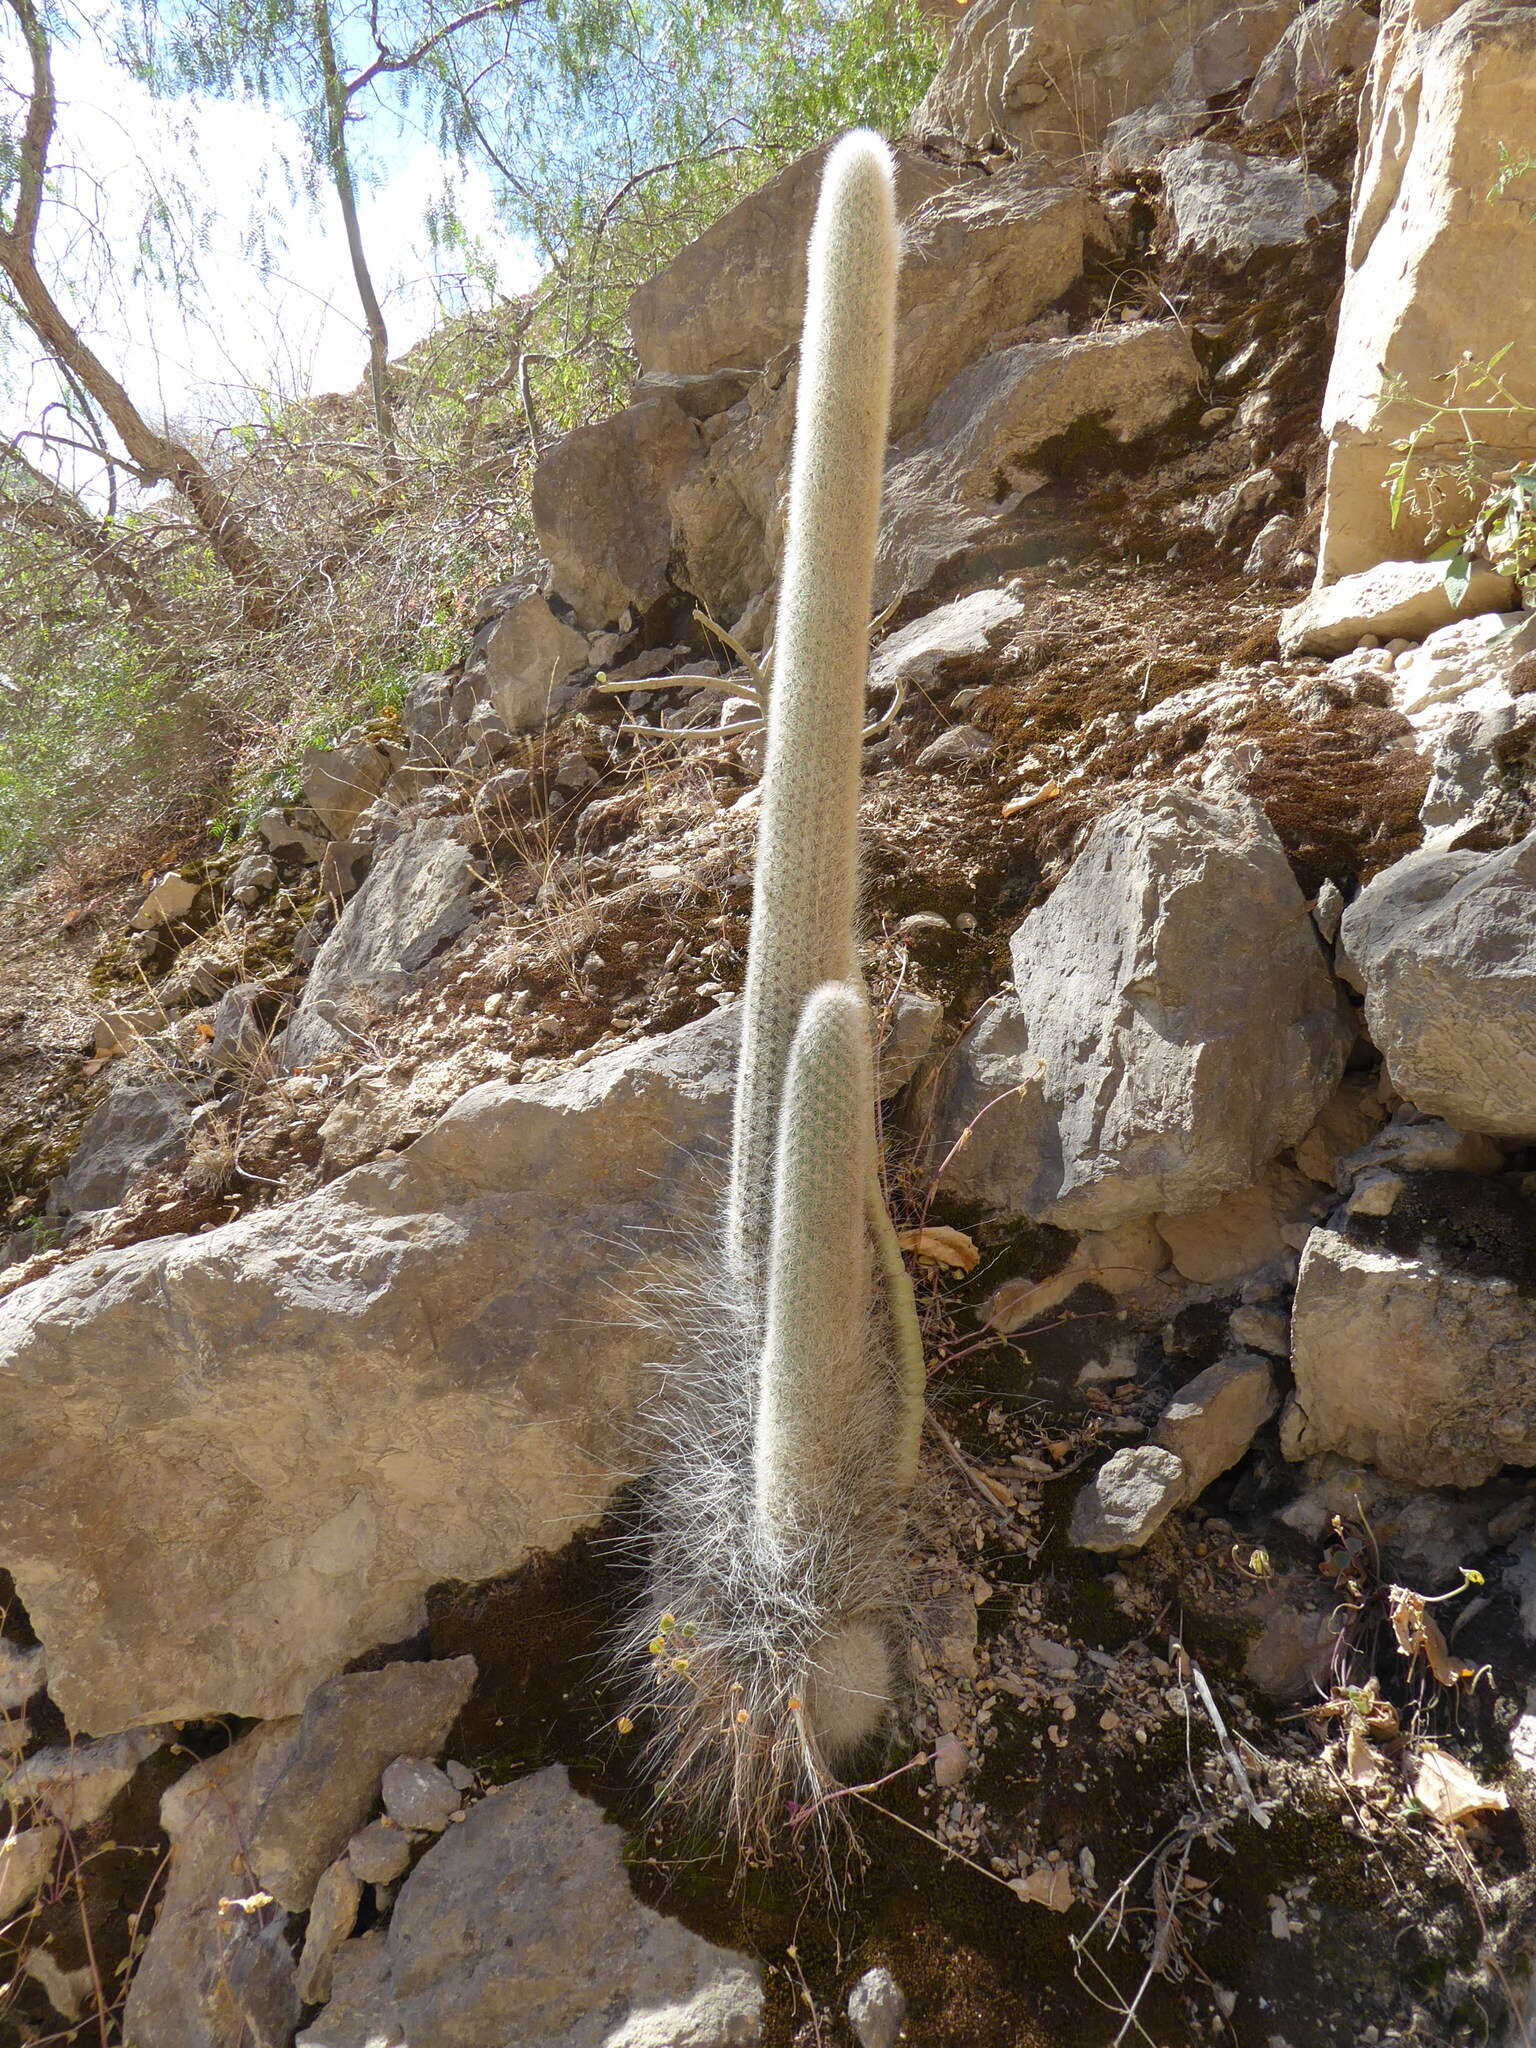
<point>339,783</point>
<point>521,1926</point>
<point>23,1674</point>
<point>1444,946</point>
<point>28,1857</point>
<point>418,1795</point>
<point>981,448</point>
<point>234,1462</point>
<point>1273,546</point>
<point>350,1729</point>
<point>1245,1230</point>
<point>1262,1329</point>
<point>434,718</point>
<point>528,655</point>
<point>293,832</point>
<point>953,642</point>
<point>137,1127</point>
<point>962,746</point>
<point>1407,599</point>
<point>1175,994</point>
<point>1213,1419</point>
<point>169,902</point>
<point>1326,42</point>
<point>332,1917</point>
<point>379,1854</point>
<point>1136,143</point>
<point>910,1030</point>
<point>242,1026</point>
<point>416,900</point>
<point>1225,207</point>
<point>253,878</point>
<point>1480,779</point>
<point>1228,51</point>
<point>212,1975</point>
<point>343,866</point>
<point>1051,79</point>
<point>877,2006</point>
<point>1420,1144</point>
<point>76,1785</point>
<point>1128,1499</point>
<point>1406,1362</point>
<point>602,507</point>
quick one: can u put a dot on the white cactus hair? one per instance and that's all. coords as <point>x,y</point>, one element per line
<point>774,1614</point>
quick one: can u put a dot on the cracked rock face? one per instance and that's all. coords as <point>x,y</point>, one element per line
<point>1175,1025</point>
<point>233,1462</point>
<point>520,1925</point>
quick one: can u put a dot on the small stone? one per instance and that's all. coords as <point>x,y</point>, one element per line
<point>380,1853</point>
<point>1262,1329</point>
<point>170,900</point>
<point>1127,1501</point>
<point>494,1004</point>
<point>1055,1658</point>
<point>922,924</point>
<point>877,2006</point>
<point>1375,1194</point>
<point>1049,1886</point>
<point>418,1795</point>
<point>957,748</point>
<point>951,1760</point>
<point>460,1776</point>
<point>26,1858</point>
<point>1216,416</point>
<point>332,1917</point>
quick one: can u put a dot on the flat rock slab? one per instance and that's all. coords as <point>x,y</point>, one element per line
<point>1175,1025</point>
<point>520,1926</point>
<point>1422,1367</point>
<point>418,897</point>
<point>231,1463</point>
<point>1444,946</point>
<point>137,1127</point>
<point>1395,600</point>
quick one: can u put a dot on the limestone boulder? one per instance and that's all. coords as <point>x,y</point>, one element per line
<point>339,783</point>
<point>528,655</point>
<point>980,260</point>
<point>1484,664</point>
<point>735,295</point>
<point>1326,42</point>
<point>1050,75</point>
<point>1228,51</point>
<point>232,1463</point>
<point>1244,1230</point>
<point>520,1925</point>
<point>1417,1358</point>
<point>1174,1025</point>
<point>1444,947</point>
<point>418,897</point>
<point>1437,266</point>
<point>1390,600</point>
<point>602,507</point>
<point>952,643</point>
<point>1224,206</point>
<point>987,441</point>
<point>137,1127</point>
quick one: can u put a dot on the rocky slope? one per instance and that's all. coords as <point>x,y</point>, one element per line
<point>1200,912</point>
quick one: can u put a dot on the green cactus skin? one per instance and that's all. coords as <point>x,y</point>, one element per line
<point>806,893</point>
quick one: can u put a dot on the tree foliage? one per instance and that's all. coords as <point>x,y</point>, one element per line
<point>143,665</point>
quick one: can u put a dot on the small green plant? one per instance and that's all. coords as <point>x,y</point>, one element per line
<point>1454,472</point>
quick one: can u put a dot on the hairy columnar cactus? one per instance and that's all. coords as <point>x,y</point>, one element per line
<point>774,1613</point>
<point>806,891</point>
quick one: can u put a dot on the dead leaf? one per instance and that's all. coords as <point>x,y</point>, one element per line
<point>936,1244</point>
<point>1018,1302</point>
<point>1016,804</point>
<point>1418,1634</point>
<point>1362,1767</point>
<point>1447,1789</point>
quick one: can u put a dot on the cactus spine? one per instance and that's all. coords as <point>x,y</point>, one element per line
<point>773,1614</point>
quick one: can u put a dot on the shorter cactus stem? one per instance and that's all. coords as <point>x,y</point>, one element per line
<point>910,1370</point>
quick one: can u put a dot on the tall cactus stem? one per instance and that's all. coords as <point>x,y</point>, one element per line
<point>806,891</point>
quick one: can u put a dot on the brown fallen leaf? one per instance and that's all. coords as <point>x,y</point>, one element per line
<point>1361,1765</point>
<point>1446,1789</point>
<point>936,1244</point>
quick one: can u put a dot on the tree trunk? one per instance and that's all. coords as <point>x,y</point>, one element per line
<point>157,456</point>
<point>346,193</point>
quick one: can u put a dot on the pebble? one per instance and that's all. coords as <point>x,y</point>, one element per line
<point>877,2006</point>
<point>951,1760</point>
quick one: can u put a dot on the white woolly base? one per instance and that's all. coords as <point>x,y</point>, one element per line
<point>764,1670</point>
